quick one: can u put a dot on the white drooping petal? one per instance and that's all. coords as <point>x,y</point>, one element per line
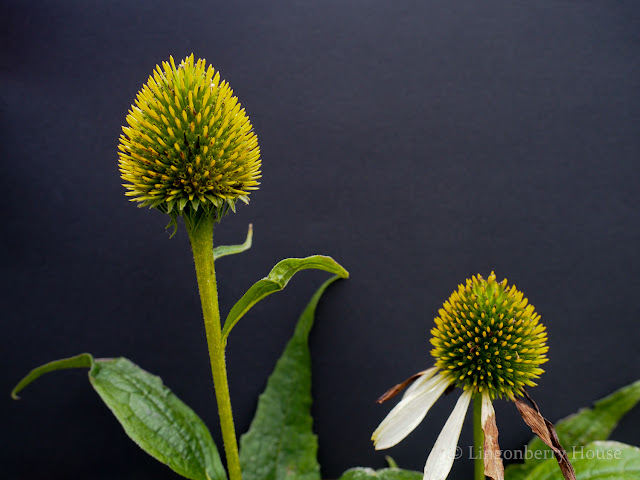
<point>407,414</point>
<point>424,376</point>
<point>443,453</point>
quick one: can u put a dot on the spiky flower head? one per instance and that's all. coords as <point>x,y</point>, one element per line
<point>189,148</point>
<point>488,338</point>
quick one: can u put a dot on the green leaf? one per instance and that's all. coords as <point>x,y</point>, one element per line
<point>518,471</point>
<point>360,473</point>
<point>158,421</point>
<point>84,360</point>
<point>597,460</point>
<point>224,250</point>
<point>585,426</point>
<point>153,417</point>
<point>280,443</point>
<point>276,281</point>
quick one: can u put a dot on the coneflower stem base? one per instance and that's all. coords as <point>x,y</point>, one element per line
<point>201,236</point>
<point>478,439</point>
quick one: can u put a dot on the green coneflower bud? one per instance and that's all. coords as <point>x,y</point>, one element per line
<point>488,338</point>
<point>189,147</point>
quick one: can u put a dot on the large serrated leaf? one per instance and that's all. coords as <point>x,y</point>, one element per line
<point>158,421</point>
<point>585,426</point>
<point>280,443</point>
<point>276,281</point>
<point>595,461</point>
<point>360,473</point>
<point>153,417</point>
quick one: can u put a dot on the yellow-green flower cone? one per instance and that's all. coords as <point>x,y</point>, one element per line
<point>488,338</point>
<point>189,147</point>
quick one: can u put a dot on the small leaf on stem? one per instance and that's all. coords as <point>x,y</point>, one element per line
<point>224,250</point>
<point>276,281</point>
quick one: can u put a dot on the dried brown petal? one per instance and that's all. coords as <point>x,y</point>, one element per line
<point>393,391</point>
<point>493,467</point>
<point>547,433</point>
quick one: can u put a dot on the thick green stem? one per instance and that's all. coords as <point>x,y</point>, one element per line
<point>478,439</point>
<point>201,236</point>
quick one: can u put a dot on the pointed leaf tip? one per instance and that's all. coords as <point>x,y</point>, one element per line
<point>224,250</point>
<point>84,360</point>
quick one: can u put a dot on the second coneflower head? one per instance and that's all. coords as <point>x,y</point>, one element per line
<point>488,338</point>
<point>489,341</point>
<point>189,148</point>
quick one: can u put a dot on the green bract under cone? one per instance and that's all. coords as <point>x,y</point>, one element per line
<point>189,147</point>
<point>487,338</point>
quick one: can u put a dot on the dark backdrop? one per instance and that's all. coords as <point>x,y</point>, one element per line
<point>416,142</point>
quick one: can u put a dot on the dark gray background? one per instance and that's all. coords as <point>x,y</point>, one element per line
<point>417,143</point>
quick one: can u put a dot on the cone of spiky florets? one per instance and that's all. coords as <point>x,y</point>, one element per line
<point>487,338</point>
<point>189,148</point>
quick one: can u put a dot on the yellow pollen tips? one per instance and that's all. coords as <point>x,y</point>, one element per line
<point>168,153</point>
<point>476,349</point>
